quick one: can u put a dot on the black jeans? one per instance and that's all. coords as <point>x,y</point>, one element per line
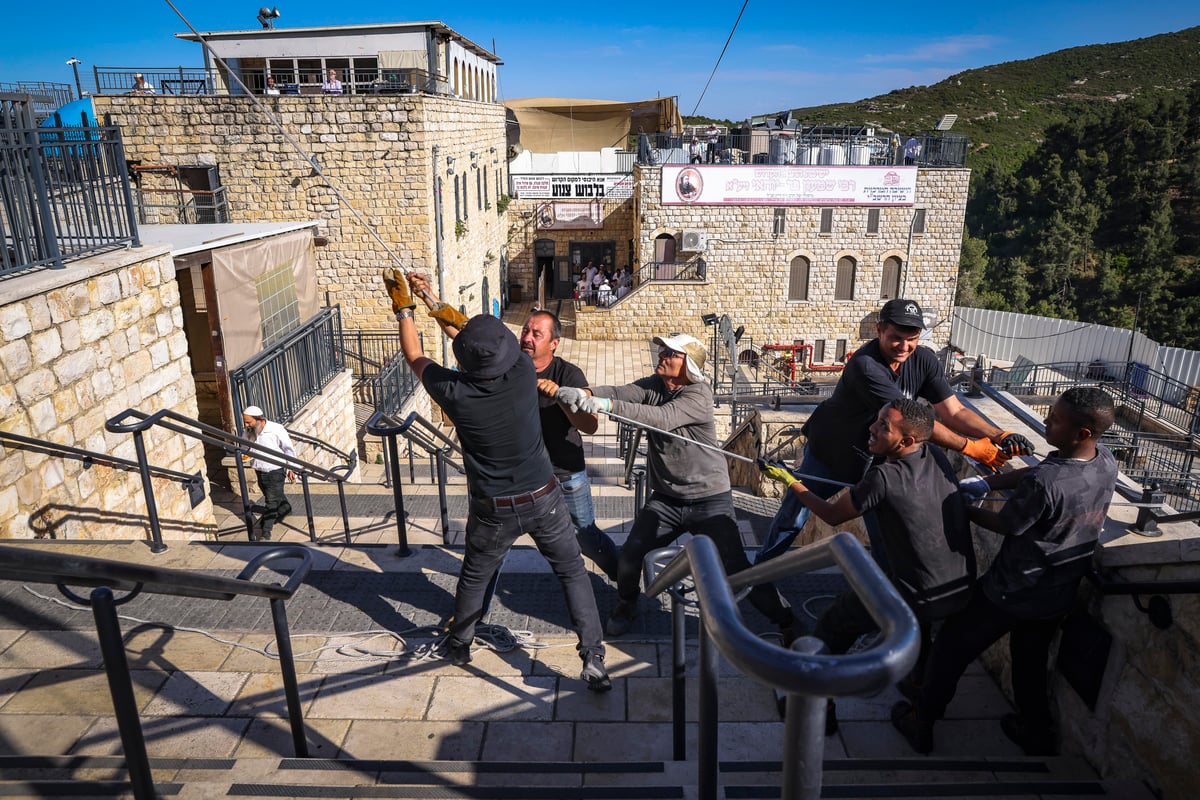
<point>965,636</point>
<point>663,519</point>
<point>276,502</point>
<point>490,534</point>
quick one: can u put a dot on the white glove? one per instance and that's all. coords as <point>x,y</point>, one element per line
<point>974,488</point>
<point>571,397</point>
<point>595,405</point>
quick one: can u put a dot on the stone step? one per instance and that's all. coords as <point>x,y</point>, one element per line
<point>103,776</point>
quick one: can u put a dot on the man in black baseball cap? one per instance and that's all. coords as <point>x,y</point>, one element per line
<point>890,366</point>
<point>492,400</point>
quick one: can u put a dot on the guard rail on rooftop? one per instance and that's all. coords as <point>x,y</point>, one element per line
<point>64,191</point>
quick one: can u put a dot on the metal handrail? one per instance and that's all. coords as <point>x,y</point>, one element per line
<point>193,483</point>
<point>419,431</point>
<point>131,420</point>
<point>39,566</point>
<point>804,672</point>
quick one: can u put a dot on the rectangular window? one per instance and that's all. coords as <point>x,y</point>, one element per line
<point>818,351</point>
<point>840,351</point>
<point>843,288</point>
<point>278,307</point>
<point>457,202</point>
<point>479,188</point>
<point>798,279</point>
<point>466,195</point>
<point>826,220</point>
<point>918,221</point>
<point>872,220</point>
<point>780,223</point>
<point>485,185</point>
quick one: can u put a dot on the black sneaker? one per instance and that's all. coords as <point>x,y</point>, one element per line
<point>1033,743</point>
<point>595,674</point>
<point>621,619</point>
<point>457,653</point>
<point>918,734</point>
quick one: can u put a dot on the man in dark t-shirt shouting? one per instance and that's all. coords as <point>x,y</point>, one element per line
<point>540,337</point>
<point>923,517</point>
<point>890,366</point>
<point>492,401</point>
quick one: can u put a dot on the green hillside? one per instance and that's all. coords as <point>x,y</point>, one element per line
<point>1004,109</point>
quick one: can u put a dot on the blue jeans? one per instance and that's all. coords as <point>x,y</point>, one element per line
<point>595,543</point>
<point>491,532</point>
<point>792,515</point>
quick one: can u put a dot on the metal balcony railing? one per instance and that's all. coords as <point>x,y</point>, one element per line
<point>175,81</point>
<point>64,191</point>
<point>287,374</point>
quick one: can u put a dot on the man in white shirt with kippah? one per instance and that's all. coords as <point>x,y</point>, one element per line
<point>271,476</point>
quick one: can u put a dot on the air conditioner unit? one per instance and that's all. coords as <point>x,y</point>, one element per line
<point>693,241</point>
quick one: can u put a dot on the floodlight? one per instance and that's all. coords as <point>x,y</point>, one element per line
<point>267,16</point>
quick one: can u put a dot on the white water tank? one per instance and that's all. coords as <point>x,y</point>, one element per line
<point>833,155</point>
<point>860,154</point>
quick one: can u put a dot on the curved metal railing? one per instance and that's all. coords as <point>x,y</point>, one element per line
<point>805,672</point>
<point>38,566</point>
<point>136,422</point>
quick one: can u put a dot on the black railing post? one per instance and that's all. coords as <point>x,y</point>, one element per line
<point>345,511</point>
<point>639,489</point>
<point>130,213</point>
<point>443,508</point>
<point>312,527</point>
<point>247,508</point>
<point>287,668</point>
<point>398,494</point>
<point>804,735</point>
<point>678,679</point>
<point>139,445</point>
<point>707,750</point>
<point>1147,524</point>
<point>45,229</point>
<point>120,687</point>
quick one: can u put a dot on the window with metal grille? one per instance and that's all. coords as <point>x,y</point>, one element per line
<point>818,351</point>
<point>483,194</point>
<point>466,196</point>
<point>798,279</point>
<point>918,222</point>
<point>278,306</point>
<point>479,188</point>
<point>889,287</point>
<point>826,220</point>
<point>872,220</point>
<point>844,287</point>
<point>780,224</point>
<point>457,202</point>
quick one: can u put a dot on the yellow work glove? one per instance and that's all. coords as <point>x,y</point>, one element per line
<point>449,315</point>
<point>984,452</point>
<point>776,472</point>
<point>397,289</point>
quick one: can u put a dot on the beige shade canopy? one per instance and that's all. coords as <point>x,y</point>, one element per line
<point>556,124</point>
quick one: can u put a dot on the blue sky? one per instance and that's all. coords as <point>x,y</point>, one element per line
<point>808,54</point>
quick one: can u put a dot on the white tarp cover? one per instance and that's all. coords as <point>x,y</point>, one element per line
<point>235,272</point>
<point>555,124</point>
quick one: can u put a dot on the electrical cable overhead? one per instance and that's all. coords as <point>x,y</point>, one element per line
<point>718,64</point>
<point>305,155</point>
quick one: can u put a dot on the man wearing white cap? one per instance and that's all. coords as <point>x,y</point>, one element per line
<point>271,476</point>
<point>689,485</point>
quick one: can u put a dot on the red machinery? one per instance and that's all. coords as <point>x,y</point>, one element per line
<point>788,359</point>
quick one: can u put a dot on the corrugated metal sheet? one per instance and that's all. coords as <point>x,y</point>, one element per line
<point>1003,336</point>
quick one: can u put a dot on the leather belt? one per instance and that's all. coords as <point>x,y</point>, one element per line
<point>514,500</point>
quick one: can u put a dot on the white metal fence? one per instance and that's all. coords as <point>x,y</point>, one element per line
<point>1004,336</point>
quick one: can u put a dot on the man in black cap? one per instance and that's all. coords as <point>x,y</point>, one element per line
<point>888,367</point>
<point>493,402</point>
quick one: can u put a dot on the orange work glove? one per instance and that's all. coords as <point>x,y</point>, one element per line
<point>449,315</point>
<point>986,453</point>
<point>397,289</point>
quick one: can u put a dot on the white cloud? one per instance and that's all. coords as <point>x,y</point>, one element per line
<point>937,50</point>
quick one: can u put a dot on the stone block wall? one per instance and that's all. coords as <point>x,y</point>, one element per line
<point>382,152</point>
<point>748,266</point>
<point>329,417</point>
<point>77,347</point>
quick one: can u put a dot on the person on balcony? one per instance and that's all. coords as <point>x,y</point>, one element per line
<point>331,85</point>
<point>915,494</point>
<point>492,399</point>
<point>689,485</point>
<point>561,429</point>
<point>696,151</point>
<point>271,87</point>
<point>271,476</point>
<point>912,151</point>
<point>888,367</point>
<point>141,85</point>
<point>1050,526</point>
<point>712,137</point>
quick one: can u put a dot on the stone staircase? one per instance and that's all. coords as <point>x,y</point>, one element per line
<point>515,723</point>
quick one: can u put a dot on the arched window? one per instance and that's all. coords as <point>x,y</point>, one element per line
<point>798,279</point>
<point>889,287</point>
<point>843,289</point>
